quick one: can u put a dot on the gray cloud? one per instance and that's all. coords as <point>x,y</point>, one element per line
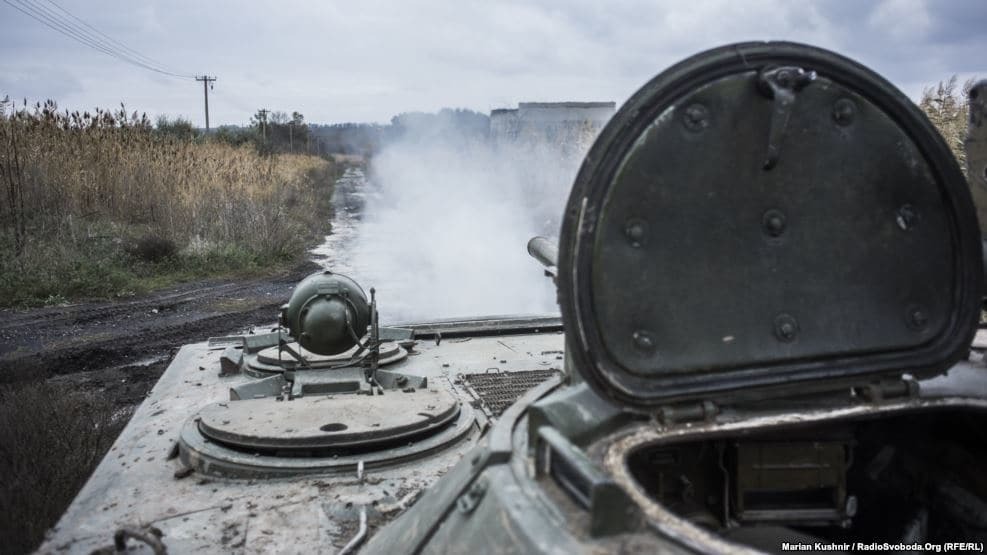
<point>33,82</point>
<point>366,61</point>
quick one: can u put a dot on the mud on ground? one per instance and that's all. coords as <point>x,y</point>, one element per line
<point>122,347</point>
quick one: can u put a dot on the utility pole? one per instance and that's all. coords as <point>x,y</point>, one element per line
<point>263,123</point>
<point>206,85</point>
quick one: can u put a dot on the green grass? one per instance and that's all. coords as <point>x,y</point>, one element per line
<point>58,272</point>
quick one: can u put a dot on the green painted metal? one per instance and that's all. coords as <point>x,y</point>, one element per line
<point>327,313</point>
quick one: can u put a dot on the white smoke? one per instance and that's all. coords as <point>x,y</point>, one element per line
<point>447,220</point>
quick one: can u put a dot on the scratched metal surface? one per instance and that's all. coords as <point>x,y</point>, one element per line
<point>136,483</point>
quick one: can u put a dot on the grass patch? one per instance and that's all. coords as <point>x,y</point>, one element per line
<point>59,272</point>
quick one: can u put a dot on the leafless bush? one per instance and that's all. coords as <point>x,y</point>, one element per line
<point>51,439</point>
<point>947,106</point>
<point>153,248</point>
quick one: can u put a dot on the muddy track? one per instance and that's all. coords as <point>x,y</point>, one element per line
<point>106,344</point>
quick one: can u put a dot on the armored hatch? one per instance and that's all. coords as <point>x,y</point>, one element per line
<point>766,219</point>
<point>321,401</point>
<point>327,312</point>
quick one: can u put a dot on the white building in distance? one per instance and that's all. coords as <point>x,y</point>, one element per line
<point>556,122</point>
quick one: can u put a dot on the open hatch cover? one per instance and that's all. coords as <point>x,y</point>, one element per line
<point>769,218</point>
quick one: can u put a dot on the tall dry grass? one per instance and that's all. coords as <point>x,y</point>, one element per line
<point>105,183</point>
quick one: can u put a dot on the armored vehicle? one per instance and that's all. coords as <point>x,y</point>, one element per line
<point>770,278</point>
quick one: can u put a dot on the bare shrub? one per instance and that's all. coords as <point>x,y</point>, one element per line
<point>153,248</point>
<point>51,439</point>
<point>947,106</point>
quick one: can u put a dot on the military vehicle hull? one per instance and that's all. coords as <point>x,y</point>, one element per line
<point>770,273</point>
<point>636,485</point>
<point>267,503</point>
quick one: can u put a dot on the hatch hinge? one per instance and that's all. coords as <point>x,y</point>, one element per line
<point>688,412</point>
<point>781,84</point>
<point>882,390</point>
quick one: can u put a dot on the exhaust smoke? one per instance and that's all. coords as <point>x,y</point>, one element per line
<point>449,209</point>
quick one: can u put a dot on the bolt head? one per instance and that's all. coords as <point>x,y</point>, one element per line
<point>786,327</point>
<point>917,318</point>
<point>696,117</point>
<point>773,222</point>
<point>844,111</point>
<point>636,231</point>
<point>906,217</point>
<point>643,340</point>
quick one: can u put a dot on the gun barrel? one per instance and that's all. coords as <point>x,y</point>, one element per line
<point>544,251</point>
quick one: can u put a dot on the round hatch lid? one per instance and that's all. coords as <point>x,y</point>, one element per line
<point>336,422</point>
<point>766,216</point>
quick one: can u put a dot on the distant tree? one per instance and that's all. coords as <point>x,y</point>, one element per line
<point>454,126</point>
<point>179,128</point>
<point>947,107</point>
<point>279,117</point>
<point>234,135</point>
<point>274,131</point>
<point>259,118</point>
<point>347,138</point>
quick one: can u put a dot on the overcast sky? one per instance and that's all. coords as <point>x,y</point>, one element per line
<point>367,60</point>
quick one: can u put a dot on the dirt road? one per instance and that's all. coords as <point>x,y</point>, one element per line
<point>122,347</point>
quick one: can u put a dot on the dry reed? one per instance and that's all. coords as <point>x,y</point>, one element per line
<point>83,182</point>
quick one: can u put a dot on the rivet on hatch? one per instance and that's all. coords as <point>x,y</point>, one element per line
<point>696,118</point>
<point>636,231</point>
<point>844,111</point>
<point>643,340</point>
<point>773,222</point>
<point>906,217</point>
<point>786,327</point>
<point>917,318</point>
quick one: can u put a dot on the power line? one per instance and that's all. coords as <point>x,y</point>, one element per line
<point>59,24</point>
<point>65,27</point>
<point>138,55</point>
<point>79,30</point>
<point>75,30</point>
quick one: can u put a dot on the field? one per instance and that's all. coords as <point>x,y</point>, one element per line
<point>102,205</point>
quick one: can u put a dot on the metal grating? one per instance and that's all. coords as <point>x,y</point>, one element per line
<point>499,390</point>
